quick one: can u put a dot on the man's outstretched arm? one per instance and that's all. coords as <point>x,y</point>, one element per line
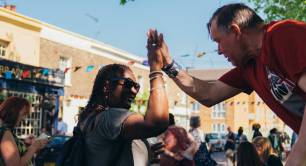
<point>207,93</point>
<point>297,156</point>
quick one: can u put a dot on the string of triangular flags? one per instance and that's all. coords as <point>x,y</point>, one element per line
<point>243,102</point>
<point>89,68</point>
<point>26,73</point>
<point>200,54</point>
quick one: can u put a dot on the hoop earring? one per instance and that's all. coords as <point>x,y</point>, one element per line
<point>105,102</point>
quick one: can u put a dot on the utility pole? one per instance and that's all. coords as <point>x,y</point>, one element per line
<point>187,118</point>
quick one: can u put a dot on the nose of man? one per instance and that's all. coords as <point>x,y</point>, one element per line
<point>220,50</point>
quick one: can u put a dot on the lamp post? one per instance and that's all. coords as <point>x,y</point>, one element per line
<point>196,55</point>
<point>187,104</point>
<point>187,68</point>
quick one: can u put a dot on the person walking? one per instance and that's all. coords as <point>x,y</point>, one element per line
<point>240,137</point>
<point>229,146</point>
<point>256,132</point>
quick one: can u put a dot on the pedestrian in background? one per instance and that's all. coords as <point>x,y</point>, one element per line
<point>240,137</point>
<point>247,155</point>
<point>276,143</point>
<point>229,146</point>
<point>13,150</point>
<point>265,152</point>
<point>256,132</point>
<point>180,147</point>
<point>62,127</point>
<point>202,157</point>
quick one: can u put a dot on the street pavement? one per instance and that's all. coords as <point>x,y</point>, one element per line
<point>220,158</point>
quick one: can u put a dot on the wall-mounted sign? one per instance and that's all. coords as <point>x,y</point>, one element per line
<point>18,71</point>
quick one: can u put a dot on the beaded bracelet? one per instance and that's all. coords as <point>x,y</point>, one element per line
<point>156,76</point>
<point>155,72</point>
<point>158,87</point>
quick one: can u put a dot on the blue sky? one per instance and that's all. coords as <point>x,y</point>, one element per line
<point>183,23</point>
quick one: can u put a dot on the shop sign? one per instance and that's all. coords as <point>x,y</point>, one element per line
<point>18,71</point>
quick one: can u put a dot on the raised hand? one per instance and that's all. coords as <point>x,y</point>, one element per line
<point>154,50</point>
<point>164,50</point>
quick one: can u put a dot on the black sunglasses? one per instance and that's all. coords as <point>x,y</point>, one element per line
<point>127,83</point>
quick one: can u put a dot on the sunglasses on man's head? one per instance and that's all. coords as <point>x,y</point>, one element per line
<point>127,83</point>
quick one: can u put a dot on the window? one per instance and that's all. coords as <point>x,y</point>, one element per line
<point>223,128</point>
<point>183,98</point>
<point>3,47</point>
<point>219,127</point>
<point>64,64</point>
<point>195,106</point>
<point>218,111</point>
<point>214,128</point>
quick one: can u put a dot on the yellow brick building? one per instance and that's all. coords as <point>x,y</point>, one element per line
<point>27,41</point>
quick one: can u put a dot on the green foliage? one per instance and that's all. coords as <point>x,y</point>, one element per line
<point>140,103</point>
<point>281,9</point>
<point>123,2</point>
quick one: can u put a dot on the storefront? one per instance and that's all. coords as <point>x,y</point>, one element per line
<point>43,87</point>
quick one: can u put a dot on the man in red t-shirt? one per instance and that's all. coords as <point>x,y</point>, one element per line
<point>270,59</point>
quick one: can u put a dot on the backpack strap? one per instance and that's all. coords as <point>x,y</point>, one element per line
<point>88,124</point>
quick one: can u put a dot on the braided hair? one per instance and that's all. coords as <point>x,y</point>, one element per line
<point>98,100</point>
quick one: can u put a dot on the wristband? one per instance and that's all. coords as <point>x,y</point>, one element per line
<point>172,69</point>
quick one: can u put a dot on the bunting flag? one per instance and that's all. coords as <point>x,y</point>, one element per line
<point>45,71</point>
<point>185,55</point>
<point>145,62</point>
<point>8,75</point>
<point>66,69</point>
<point>25,74</point>
<point>89,68</point>
<point>200,54</point>
<point>130,63</point>
<point>77,68</point>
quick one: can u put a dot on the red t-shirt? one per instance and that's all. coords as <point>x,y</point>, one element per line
<point>274,74</point>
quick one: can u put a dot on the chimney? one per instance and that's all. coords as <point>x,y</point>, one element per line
<point>10,7</point>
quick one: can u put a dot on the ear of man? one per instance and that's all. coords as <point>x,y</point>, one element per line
<point>234,28</point>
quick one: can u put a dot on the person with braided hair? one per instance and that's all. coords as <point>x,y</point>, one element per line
<point>112,130</point>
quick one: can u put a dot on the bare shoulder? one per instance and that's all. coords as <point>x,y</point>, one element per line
<point>7,135</point>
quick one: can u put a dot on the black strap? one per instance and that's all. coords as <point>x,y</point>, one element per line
<point>88,121</point>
